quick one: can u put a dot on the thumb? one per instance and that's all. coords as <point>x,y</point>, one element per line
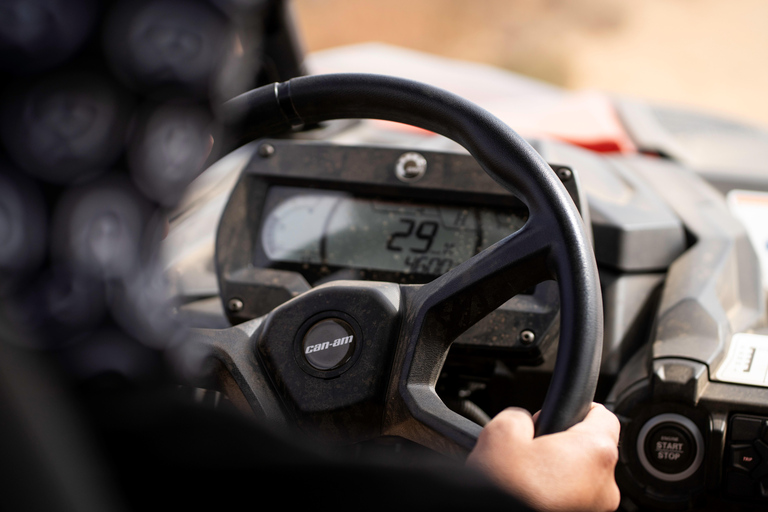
<point>512,425</point>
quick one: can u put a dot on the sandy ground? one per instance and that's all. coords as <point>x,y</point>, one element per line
<point>709,54</point>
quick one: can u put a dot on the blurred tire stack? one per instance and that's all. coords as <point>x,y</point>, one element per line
<point>107,113</point>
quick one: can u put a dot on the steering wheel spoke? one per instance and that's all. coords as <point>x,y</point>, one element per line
<point>437,313</point>
<point>455,301</point>
<point>225,359</point>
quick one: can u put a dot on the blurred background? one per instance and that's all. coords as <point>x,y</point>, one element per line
<point>706,54</point>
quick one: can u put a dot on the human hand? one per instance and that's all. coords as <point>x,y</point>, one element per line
<point>567,471</point>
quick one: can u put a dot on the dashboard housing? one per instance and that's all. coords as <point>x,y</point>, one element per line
<point>679,279</point>
<point>246,276</point>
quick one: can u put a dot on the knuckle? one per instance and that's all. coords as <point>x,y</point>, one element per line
<point>611,457</point>
<point>606,452</point>
<point>614,420</point>
<point>498,427</point>
<point>607,416</point>
<point>613,498</point>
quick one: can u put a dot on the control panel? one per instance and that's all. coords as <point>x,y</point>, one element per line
<point>746,458</point>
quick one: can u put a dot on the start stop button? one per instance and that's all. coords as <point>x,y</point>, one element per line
<point>670,447</point>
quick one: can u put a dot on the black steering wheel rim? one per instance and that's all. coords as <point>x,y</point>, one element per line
<point>557,242</point>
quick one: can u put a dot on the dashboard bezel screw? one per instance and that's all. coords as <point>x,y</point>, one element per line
<point>235,305</point>
<point>527,337</point>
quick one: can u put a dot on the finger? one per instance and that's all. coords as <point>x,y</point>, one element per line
<point>514,423</point>
<point>599,419</point>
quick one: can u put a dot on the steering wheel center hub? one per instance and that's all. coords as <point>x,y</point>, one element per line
<point>329,344</point>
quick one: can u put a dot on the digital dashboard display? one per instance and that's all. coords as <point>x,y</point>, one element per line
<point>333,228</point>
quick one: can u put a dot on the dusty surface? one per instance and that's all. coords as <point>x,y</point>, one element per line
<point>704,53</point>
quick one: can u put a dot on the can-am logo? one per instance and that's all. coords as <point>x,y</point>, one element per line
<point>328,344</point>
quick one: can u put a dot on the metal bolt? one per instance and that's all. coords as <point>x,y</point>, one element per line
<point>266,150</point>
<point>527,337</point>
<point>410,167</point>
<point>235,305</point>
<point>564,173</point>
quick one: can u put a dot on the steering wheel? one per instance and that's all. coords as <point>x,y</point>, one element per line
<point>355,360</point>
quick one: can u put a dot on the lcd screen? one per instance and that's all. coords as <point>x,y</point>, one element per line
<point>319,227</point>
